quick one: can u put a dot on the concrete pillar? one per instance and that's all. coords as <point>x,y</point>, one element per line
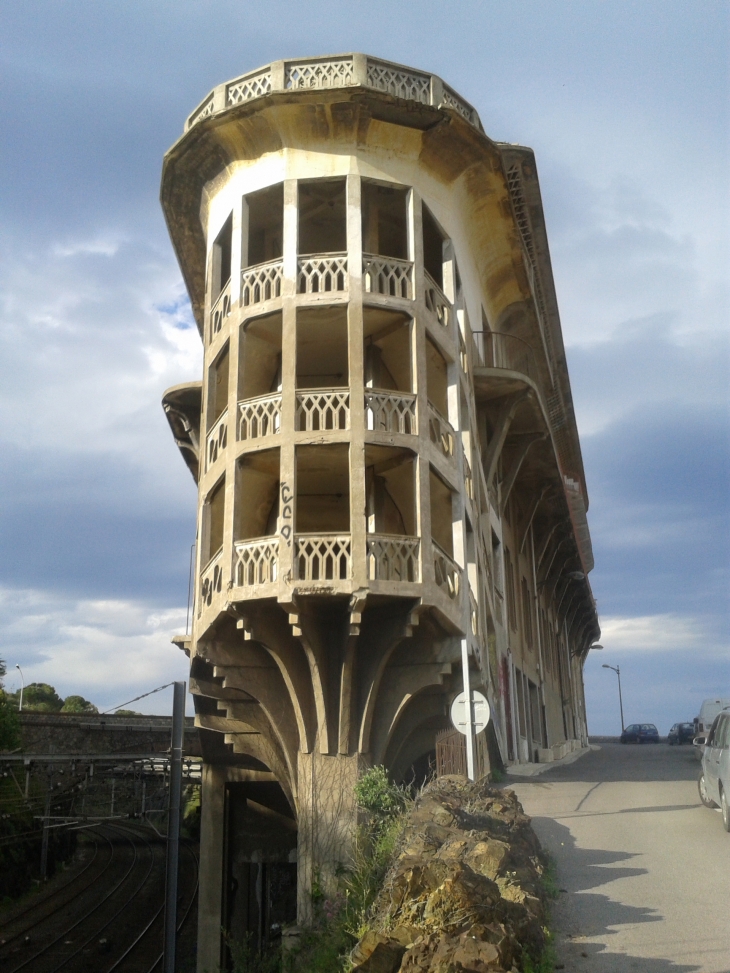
<point>212,848</point>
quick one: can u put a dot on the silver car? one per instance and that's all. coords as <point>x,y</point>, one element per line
<point>714,779</point>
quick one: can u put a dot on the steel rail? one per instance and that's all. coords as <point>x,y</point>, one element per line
<point>121,909</point>
<point>41,952</point>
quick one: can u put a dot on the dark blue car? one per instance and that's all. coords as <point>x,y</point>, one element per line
<point>681,733</point>
<point>640,733</point>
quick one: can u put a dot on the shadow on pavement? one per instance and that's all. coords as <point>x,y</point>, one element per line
<point>630,762</point>
<point>579,914</point>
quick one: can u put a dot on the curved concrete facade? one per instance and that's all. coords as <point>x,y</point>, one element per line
<point>386,454</point>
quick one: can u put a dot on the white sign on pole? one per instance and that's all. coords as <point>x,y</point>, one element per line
<point>479,712</point>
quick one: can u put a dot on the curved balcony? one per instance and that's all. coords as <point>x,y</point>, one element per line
<point>220,310</point>
<point>436,301</point>
<point>387,276</point>
<point>321,409</point>
<point>322,557</point>
<point>259,417</point>
<point>256,561</point>
<point>261,283</point>
<point>387,411</point>
<point>506,351</point>
<point>216,440</point>
<point>441,432</point>
<point>446,571</point>
<point>392,557</point>
<point>322,273</point>
<point>211,581</point>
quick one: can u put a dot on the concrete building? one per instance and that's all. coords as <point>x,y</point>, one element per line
<point>386,455</point>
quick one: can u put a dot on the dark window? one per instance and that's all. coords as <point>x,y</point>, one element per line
<point>433,247</point>
<point>384,224</point>
<point>322,216</point>
<point>265,224</point>
<point>222,249</point>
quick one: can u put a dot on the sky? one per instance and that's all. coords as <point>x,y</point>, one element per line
<point>626,105</point>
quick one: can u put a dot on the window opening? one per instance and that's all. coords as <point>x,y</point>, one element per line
<point>390,490</point>
<point>322,348</point>
<point>442,514</point>
<point>387,337</point>
<point>437,380</point>
<point>511,592</point>
<point>265,225</point>
<point>216,519</point>
<point>218,387</point>
<point>257,495</point>
<point>323,489</point>
<point>259,362</point>
<point>527,614</point>
<point>322,216</point>
<point>384,220</point>
<point>222,256</point>
<point>433,247</point>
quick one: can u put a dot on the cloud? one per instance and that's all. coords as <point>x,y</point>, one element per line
<point>106,650</point>
<point>670,632</point>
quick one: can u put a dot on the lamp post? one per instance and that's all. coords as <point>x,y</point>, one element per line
<point>617,670</point>
<point>22,687</point>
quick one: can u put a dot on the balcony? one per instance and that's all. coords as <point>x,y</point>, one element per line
<point>217,440</point>
<point>261,283</point>
<point>447,572</point>
<point>259,417</point>
<point>387,276</point>
<point>507,351</point>
<point>322,557</point>
<point>220,310</point>
<point>256,561</point>
<point>393,558</point>
<point>320,409</point>
<point>391,412</point>
<point>211,581</point>
<point>322,273</point>
<point>436,301</point>
<point>441,432</point>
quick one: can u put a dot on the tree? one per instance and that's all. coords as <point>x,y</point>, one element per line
<point>39,697</point>
<point>9,722</point>
<point>77,704</point>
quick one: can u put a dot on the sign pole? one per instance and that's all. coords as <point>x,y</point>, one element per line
<point>468,710</point>
<point>173,825</point>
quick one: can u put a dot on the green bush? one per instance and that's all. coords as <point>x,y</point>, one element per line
<point>9,723</point>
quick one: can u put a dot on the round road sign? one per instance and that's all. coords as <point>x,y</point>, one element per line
<point>479,711</point>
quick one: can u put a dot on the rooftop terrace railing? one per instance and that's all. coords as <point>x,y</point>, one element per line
<point>338,71</point>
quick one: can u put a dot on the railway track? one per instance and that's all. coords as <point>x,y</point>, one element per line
<point>108,917</point>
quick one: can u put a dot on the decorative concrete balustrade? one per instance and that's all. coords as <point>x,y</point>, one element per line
<point>211,581</point>
<point>261,283</point>
<point>323,273</point>
<point>436,301</point>
<point>392,557</point>
<point>390,411</point>
<point>320,409</point>
<point>260,416</point>
<point>256,561</point>
<point>217,440</point>
<point>441,432</point>
<point>387,276</point>
<point>220,310</point>
<point>447,572</point>
<point>323,557</point>
<point>343,71</point>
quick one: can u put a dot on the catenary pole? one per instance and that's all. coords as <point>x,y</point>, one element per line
<point>173,826</point>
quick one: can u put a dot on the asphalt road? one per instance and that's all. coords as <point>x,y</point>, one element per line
<point>643,867</point>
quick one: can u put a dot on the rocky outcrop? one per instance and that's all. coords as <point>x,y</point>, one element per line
<point>465,894</point>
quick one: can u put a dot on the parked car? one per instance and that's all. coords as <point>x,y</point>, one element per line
<point>640,733</point>
<point>681,733</point>
<point>714,779</point>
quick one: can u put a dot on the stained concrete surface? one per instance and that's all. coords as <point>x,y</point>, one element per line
<point>643,867</point>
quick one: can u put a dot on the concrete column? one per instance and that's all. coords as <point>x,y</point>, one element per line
<point>357,383</point>
<point>287,474</point>
<point>212,847</point>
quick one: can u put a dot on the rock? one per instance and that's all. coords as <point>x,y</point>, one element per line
<point>465,893</point>
<point>376,953</point>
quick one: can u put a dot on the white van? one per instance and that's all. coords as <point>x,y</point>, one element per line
<point>708,711</point>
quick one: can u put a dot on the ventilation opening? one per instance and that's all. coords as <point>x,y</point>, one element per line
<point>265,225</point>
<point>322,216</point>
<point>384,220</point>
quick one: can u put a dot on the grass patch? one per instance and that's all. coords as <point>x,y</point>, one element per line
<point>545,963</point>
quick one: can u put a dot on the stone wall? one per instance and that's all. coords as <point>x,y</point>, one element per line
<point>85,733</point>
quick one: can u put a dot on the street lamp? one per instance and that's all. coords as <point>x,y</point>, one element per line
<point>617,670</point>
<point>22,687</point>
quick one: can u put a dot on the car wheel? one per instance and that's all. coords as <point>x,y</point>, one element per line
<point>702,788</point>
<point>725,809</point>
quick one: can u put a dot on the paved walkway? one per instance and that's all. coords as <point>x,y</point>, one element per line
<point>644,869</point>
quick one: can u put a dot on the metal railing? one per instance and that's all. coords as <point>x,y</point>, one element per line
<point>508,351</point>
